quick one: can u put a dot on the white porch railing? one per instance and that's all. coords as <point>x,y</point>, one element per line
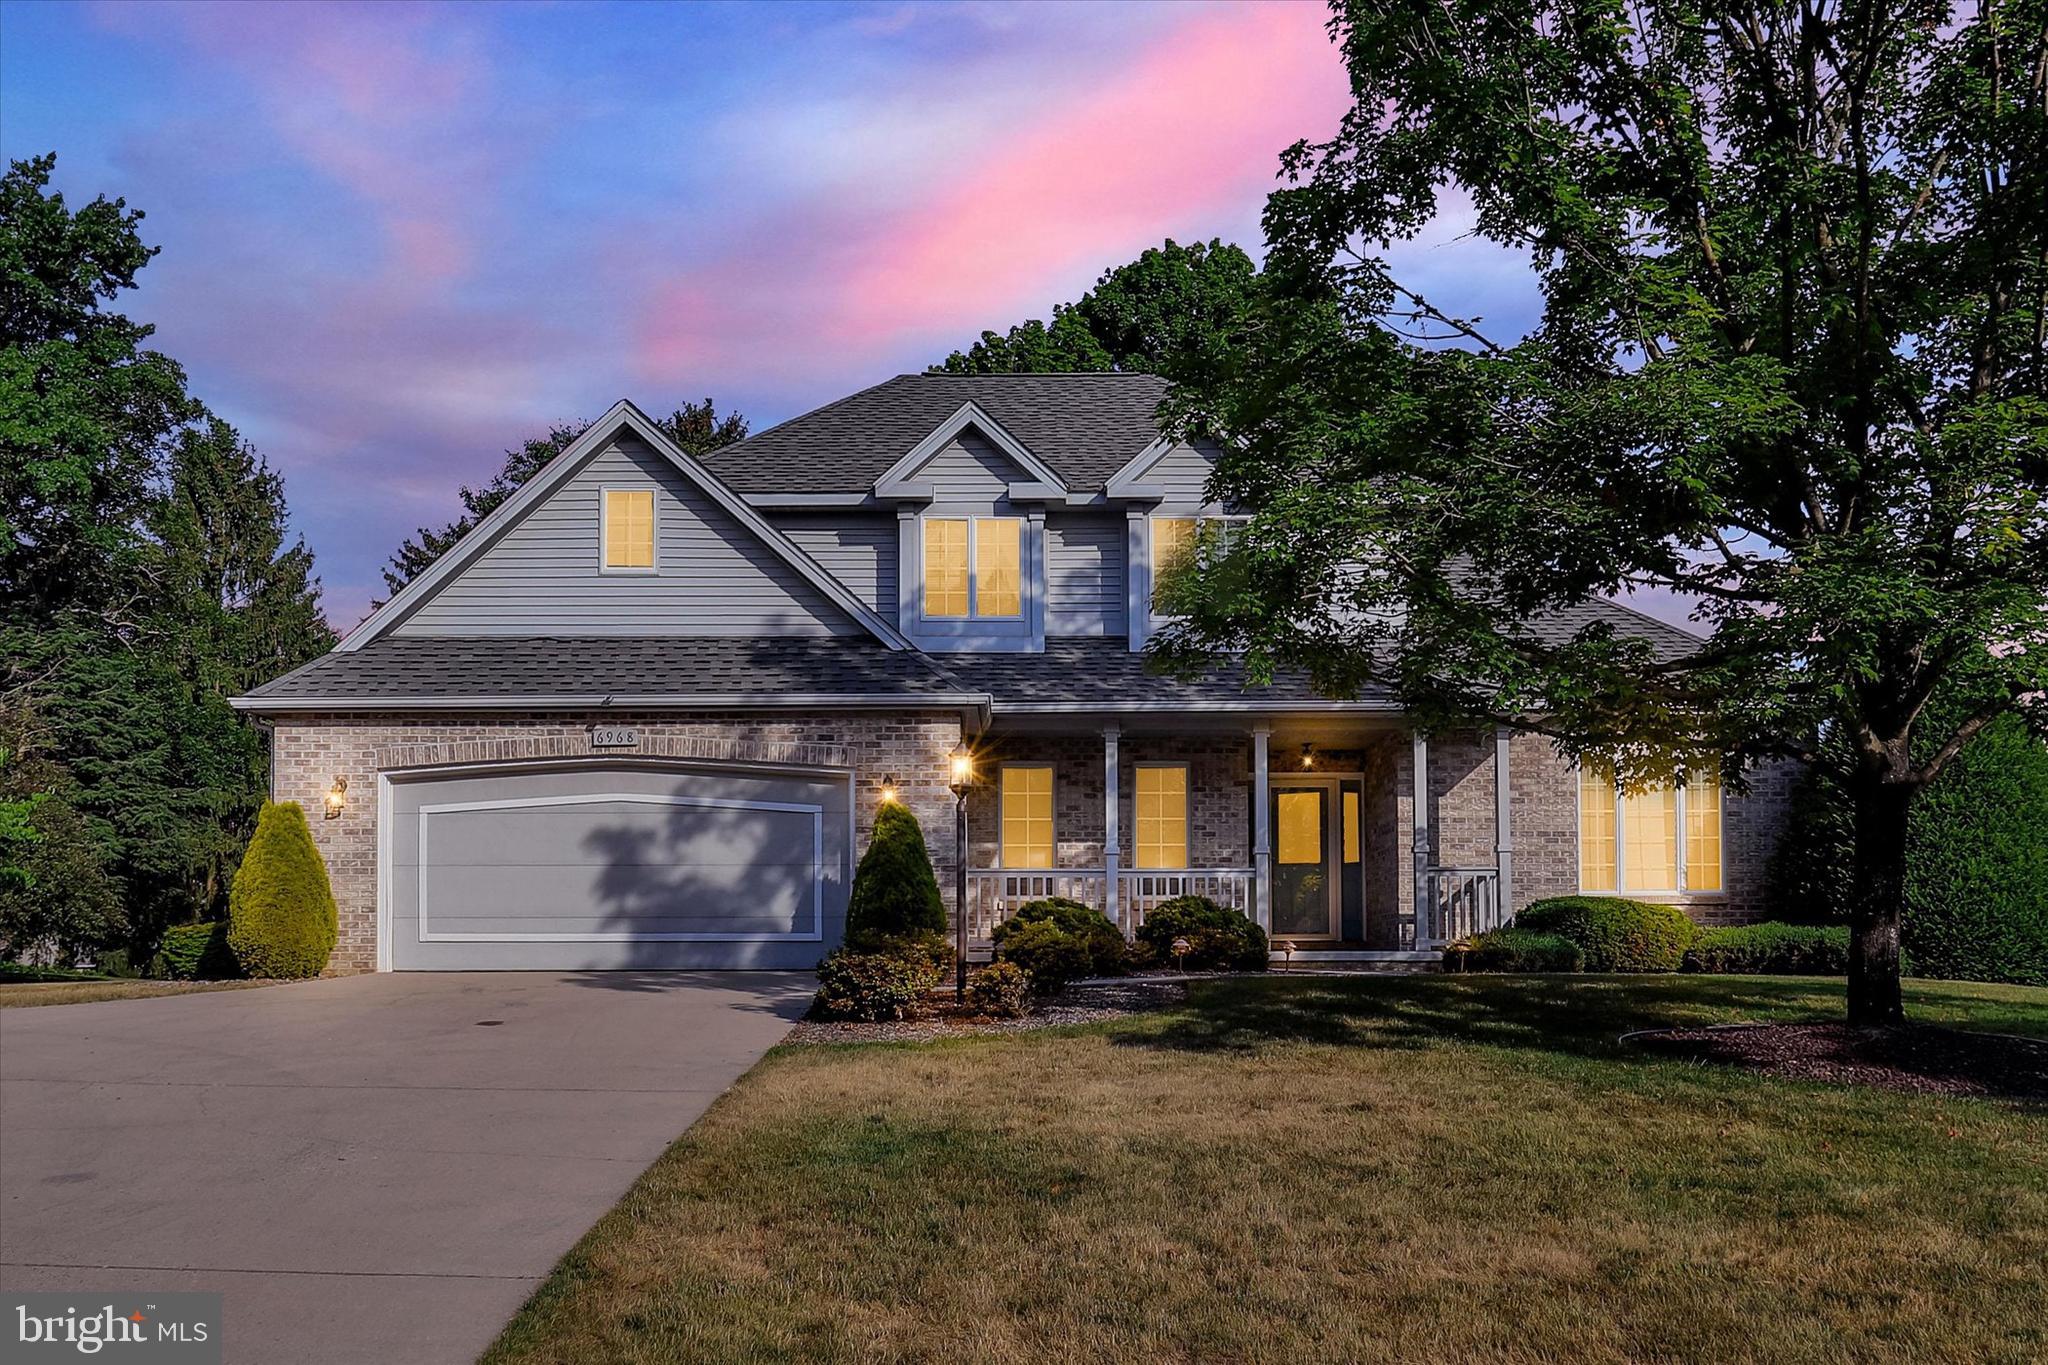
<point>1457,901</point>
<point>994,893</point>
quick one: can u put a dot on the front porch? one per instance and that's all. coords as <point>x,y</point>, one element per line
<point>1326,834</point>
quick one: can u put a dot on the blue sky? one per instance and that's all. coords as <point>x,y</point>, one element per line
<point>398,239</point>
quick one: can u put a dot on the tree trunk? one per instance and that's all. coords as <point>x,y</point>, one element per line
<point>1880,902</point>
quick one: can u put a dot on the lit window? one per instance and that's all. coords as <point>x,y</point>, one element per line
<point>973,567</point>
<point>1350,827</point>
<point>945,566</point>
<point>1658,839</point>
<point>1027,816</point>
<point>998,566</point>
<point>629,528</point>
<point>1162,810</point>
<point>1176,541</point>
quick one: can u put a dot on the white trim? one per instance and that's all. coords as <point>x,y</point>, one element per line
<point>604,535</point>
<point>894,482</point>
<point>622,416</point>
<point>817,814</point>
<point>1187,833</point>
<point>792,502</point>
<point>1124,483</point>
<point>1052,815</point>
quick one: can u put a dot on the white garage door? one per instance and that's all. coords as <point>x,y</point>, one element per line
<point>616,866</point>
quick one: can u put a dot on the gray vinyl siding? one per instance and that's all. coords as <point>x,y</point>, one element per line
<point>713,576</point>
<point>857,548</point>
<point>970,472</point>
<point>1084,558</point>
<point>1182,472</point>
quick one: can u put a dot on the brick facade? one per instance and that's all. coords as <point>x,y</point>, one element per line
<point>310,751</point>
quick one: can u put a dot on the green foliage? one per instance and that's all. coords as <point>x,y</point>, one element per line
<point>1102,944</point>
<point>934,950</point>
<point>1001,990</point>
<point>1514,949</point>
<point>1772,949</point>
<point>21,973</point>
<point>1784,363</point>
<point>894,891</point>
<point>695,427</point>
<point>1976,866</point>
<point>64,905</point>
<point>281,913</point>
<point>1616,934</point>
<point>1219,939</point>
<point>195,952</point>
<point>871,986</point>
<point>1173,304</point>
<point>1048,954</point>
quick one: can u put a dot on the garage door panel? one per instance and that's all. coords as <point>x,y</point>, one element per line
<point>595,867</point>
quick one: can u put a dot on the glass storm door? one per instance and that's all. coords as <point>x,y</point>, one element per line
<point>1304,879</point>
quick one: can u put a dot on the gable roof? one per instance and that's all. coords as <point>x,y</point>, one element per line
<point>897,479</point>
<point>622,417</point>
<point>1085,427</point>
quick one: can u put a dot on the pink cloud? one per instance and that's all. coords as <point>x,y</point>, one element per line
<point>1188,131</point>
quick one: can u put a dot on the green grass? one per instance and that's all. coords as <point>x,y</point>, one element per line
<point>1376,1169</point>
<point>88,990</point>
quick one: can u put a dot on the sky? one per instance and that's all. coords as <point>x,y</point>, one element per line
<point>398,239</point>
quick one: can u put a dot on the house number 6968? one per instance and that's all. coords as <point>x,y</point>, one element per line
<point>613,736</point>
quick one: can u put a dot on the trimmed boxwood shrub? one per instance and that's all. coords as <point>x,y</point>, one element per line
<point>1218,939</point>
<point>999,989</point>
<point>1049,954</point>
<point>1513,949</point>
<point>281,917</point>
<point>1617,934</point>
<point>195,952</point>
<point>1101,941</point>
<point>871,986</point>
<point>1773,947</point>
<point>894,892</point>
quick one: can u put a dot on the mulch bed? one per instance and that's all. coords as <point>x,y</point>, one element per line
<point>1918,1058</point>
<point>1082,1003</point>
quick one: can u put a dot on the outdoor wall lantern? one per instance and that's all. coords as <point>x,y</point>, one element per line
<point>337,797</point>
<point>889,789</point>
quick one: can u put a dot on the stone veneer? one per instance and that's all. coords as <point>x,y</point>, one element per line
<point>309,751</point>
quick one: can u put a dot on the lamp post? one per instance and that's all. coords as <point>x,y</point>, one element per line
<point>963,778</point>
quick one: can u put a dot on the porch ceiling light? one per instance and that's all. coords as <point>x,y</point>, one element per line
<point>1308,756</point>
<point>337,797</point>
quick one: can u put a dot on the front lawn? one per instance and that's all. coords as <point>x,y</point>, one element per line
<point>87,990</point>
<point>1398,1169</point>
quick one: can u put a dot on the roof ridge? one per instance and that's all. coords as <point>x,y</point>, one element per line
<point>839,402</point>
<point>1034,374</point>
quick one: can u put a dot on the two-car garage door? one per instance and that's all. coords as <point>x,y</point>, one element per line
<point>615,866</point>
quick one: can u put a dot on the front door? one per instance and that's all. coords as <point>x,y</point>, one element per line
<point>1304,861</point>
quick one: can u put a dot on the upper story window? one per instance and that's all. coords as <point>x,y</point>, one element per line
<point>1027,815</point>
<point>1656,839</point>
<point>628,530</point>
<point>1162,811</point>
<point>1177,541</point>
<point>974,567</point>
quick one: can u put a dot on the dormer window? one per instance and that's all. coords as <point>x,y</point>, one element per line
<point>974,567</point>
<point>1177,540</point>
<point>627,532</point>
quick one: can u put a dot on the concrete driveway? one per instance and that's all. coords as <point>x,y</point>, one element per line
<point>373,1168</point>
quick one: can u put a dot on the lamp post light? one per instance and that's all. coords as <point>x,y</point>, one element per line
<point>963,778</point>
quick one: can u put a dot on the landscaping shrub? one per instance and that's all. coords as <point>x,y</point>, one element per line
<point>195,952</point>
<point>1050,954</point>
<point>1219,939</point>
<point>281,916</point>
<point>1617,934</point>
<point>894,892</point>
<point>1513,949</point>
<point>1773,947</point>
<point>871,986</point>
<point>934,951</point>
<point>1103,942</point>
<point>999,989</point>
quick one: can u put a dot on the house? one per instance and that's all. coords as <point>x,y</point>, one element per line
<point>643,714</point>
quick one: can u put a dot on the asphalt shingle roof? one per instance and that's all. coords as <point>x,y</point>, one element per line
<point>1102,670</point>
<point>1086,426</point>
<point>596,667</point>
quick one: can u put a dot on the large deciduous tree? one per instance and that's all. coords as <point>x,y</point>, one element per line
<point>695,427</point>
<point>1168,307</point>
<point>1789,365</point>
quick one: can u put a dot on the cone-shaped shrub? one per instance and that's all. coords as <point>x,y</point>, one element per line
<point>894,892</point>
<point>281,916</point>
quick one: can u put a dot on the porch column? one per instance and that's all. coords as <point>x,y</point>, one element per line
<point>1422,915</point>
<point>1503,825</point>
<point>1262,834</point>
<point>1112,852</point>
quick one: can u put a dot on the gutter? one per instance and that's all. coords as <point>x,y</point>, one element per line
<point>979,704</point>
